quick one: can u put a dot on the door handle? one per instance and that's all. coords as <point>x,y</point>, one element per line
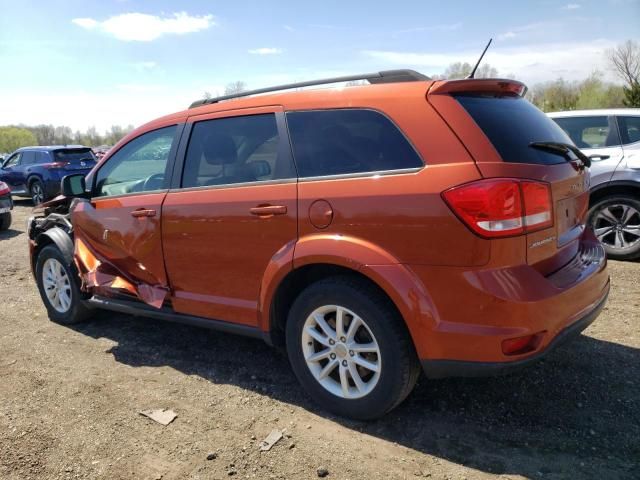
<point>143,212</point>
<point>268,210</point>
<point>599,157</point>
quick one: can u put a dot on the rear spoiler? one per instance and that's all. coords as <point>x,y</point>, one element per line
<point>479,85</point>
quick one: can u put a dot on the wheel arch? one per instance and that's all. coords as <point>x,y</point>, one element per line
<point>395,281</point>
<point>58,237</point>
<point>609,189</point>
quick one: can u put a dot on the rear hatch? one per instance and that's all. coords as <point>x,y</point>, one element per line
<point>510,138</point>
<point>74,159</point>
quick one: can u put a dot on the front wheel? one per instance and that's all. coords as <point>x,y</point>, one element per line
<point>59,287</point>
<point>616,222</point>
<point>350,349</point>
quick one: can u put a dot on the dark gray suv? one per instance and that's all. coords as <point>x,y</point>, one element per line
<point>612,139</point>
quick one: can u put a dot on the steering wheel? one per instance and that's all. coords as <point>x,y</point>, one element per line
<point>148,183</point>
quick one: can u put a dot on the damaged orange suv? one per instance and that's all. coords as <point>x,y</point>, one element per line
<point>370,230</point>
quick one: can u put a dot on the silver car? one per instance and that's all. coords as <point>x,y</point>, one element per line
<point>611,138</point>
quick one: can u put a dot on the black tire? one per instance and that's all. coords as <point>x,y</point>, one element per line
<point>77,311</point>
<point>614,205</point>
<point>5,221</point>
<point>399,364</point>
<point>36,190</point>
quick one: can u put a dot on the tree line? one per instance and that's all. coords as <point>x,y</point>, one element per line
<point>16,136</point>
<point>555,95</point>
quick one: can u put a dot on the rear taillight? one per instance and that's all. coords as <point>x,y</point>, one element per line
<point>4,188</point>
<point>55,165</point>
<point>502,207</point>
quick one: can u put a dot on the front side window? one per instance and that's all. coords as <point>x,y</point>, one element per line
<point>590,132</point>
<point>338,142</point>
<point>234,150</point>
<point>13,160</point>
<point>629,129</point>
<point>139,166</point>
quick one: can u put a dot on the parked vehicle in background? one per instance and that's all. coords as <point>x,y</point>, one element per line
<point>611,138</point>
<point>36,172</point>
<point>6,205</point>
<point>101,151</point>
<point>368,230</point>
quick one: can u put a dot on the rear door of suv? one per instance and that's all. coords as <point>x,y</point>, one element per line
<point>231,214</point>
<point>505,134</point>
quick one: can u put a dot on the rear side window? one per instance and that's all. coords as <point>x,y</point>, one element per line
<point>337,142</point>
<point>629,129</point>
<point>70,155</point>
<point>42,157</point>
<point>232,150</point>
<point>512,123</point>
<point>590,132</point>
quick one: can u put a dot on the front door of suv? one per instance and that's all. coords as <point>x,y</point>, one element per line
<point>232,214</point>
<point>121,222</point>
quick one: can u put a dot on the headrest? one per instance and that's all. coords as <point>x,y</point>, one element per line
<point>219,149</point>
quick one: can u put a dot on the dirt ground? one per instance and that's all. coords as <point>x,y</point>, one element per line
<point>70,397</point>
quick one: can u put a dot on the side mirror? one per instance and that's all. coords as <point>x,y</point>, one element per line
<point>73,185</point>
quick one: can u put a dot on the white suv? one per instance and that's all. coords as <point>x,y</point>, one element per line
<point>611,138</point>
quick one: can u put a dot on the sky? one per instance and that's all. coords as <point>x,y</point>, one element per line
<point>88,63</point>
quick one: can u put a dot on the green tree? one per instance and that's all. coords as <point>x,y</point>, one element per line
<point>12,138</point>
<point>555,95</point>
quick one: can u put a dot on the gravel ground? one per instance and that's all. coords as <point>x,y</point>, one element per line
<point>70,397</point>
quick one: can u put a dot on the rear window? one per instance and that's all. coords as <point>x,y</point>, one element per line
<point>338,142</point>
<point>75,154</point>
<point>512,123</point>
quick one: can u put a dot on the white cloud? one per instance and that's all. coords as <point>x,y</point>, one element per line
<point>141,27</point>
<point>530,30</point>
<point>289,28</point>
<point>265,51</point>
<point>571,6</point>
<point>529,63</point>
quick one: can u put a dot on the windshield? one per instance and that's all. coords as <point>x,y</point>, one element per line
<point>76,154</point>
<point>512,123</point>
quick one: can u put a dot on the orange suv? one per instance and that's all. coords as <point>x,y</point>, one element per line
<point>370,230</point>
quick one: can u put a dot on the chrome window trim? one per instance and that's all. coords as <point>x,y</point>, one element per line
<point>376,173</point>
<point>234,185</point>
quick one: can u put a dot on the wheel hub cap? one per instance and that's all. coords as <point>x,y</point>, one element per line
<point>617,226</point>
<point>341,352</point>
<point>57,286</point>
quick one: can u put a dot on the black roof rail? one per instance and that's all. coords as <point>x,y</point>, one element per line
<point>386,76</point>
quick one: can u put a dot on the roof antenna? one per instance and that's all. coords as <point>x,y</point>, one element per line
<point>473,72</point>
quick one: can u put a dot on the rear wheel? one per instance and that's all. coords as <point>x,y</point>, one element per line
<point>59,289</point>
<point>616,222</point>
<point>350,349</point>
<point>37,192</point>
<point>5,221</point>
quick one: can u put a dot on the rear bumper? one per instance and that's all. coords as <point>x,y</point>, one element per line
<point>456,368</point>
<point>475,310</point>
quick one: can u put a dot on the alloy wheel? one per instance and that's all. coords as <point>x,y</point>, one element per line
<point>618,226</point>
<point>341,352</point>
<point>57,285</point>
<point>37,194</point>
